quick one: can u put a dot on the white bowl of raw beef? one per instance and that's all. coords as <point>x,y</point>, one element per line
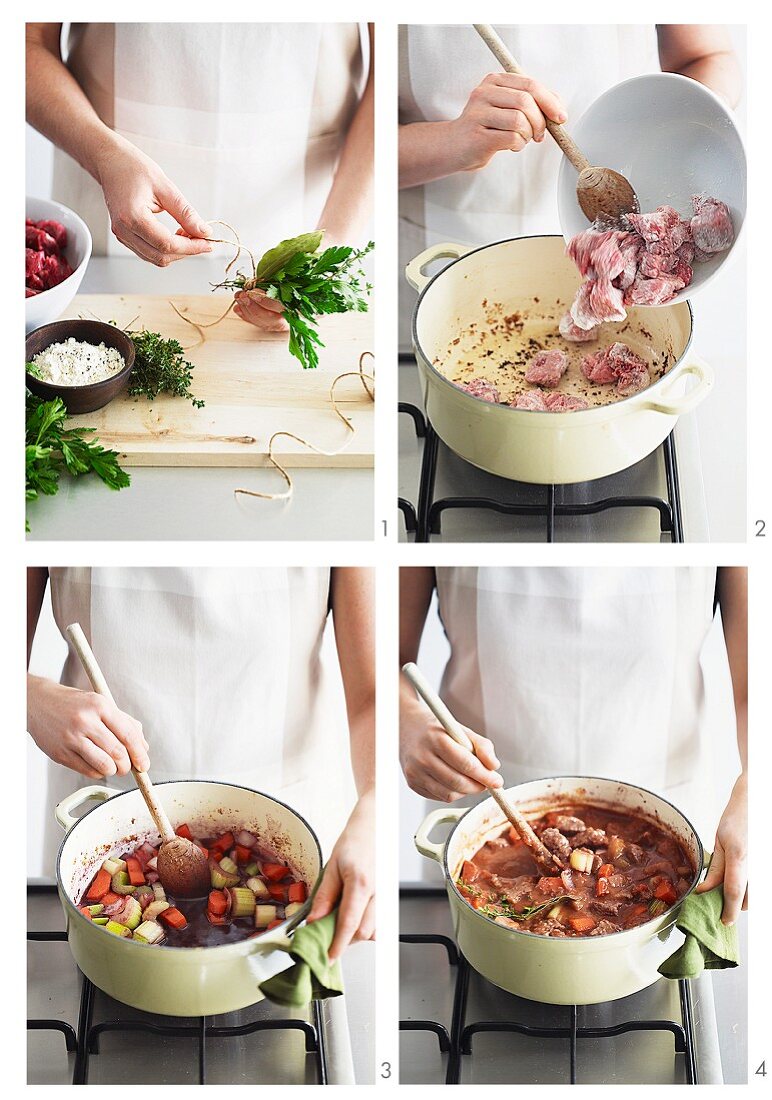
<point>48,305</point>
<point>672,138</point>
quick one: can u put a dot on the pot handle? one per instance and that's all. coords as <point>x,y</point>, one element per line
<point>414,272</point>
<point>675,406</point>
<point>425,846</point>
<point>73,801</point>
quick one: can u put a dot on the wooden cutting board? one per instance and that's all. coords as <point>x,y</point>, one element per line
<point>250,383</point>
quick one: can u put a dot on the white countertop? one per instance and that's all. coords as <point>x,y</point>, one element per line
<point>199,503</point>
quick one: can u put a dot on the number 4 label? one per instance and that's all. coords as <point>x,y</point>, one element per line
<point>762,1070</point>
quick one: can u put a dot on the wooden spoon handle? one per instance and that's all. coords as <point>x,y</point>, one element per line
<point>96,677</point>
<point>498,48</point>
<point>453,727</point>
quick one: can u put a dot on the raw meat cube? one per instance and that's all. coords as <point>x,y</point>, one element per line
<point>55,230</point>
<point>482,388</point>
<point>711,227</point>
<point>653,292</point>
<point>531,399</point>
<point>619,364</point>
<point>598,368</point>
<point>564,402</point>
<point>575,335</point>
<point>547,368</point>
<point>40,241</point>
<point>664,226</point>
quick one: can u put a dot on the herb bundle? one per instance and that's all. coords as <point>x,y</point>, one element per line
<point>309,283</point>
<point>51,448</point>
<point>160,366</point>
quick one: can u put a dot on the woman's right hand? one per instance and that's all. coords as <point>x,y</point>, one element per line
<point>435,766</point>
<point>504,111</point>
<point>84,731</point>
<point>135,191</point>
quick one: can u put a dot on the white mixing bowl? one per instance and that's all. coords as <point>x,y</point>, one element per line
<point>672,138</point>
<point>51,304</point>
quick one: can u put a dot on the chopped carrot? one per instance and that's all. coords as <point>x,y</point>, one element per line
<point>213,918</point>
<point>136,878</point>
<point>638,909</point>
<point>217,903</point>
<point>665,891</point>
<point>468,871</point>
<point>243,854</point>
<point>174,918</point>
<point>605,870</point>
<point>85,912</point>
<point>110,899</point>
<point>203,849</point>
<point>277,892</point>
<point>582,924</point>
<point>183,830</point>
<point>274,872</point>
<point>550,885</point>
<point>297,892</point>
<point>225,842</point>
<point>274,924</point>
<point>477,903</point>
<point>99,886</point>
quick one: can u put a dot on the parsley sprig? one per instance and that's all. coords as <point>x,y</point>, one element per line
<point>309,283</point>
<point>52,448</point>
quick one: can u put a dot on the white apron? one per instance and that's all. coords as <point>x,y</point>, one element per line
<point>247,119</point>
<point>226,670</point>
<point>586,672</point>
<point>515,194</point>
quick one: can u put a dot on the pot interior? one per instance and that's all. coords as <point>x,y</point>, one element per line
<point>488,313</point>
<point>485,820</point>
<point>208,808</point>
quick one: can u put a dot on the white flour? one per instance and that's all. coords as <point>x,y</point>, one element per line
<point>74,363</point>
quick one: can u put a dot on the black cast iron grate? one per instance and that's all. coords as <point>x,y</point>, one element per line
<point>84,1042</point>
<point>457,1043</point>
<point>426,520</point>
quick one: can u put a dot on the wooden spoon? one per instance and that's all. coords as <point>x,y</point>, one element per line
<point>601,192</point>
<point>546,861</point>
<point>182,866</point>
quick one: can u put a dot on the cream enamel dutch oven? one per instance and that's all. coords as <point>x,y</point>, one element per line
<point>541,447</point>
<point>570,970</point>
<point>177,981</point>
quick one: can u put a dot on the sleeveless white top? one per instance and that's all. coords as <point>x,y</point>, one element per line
<point>515,194</point>
<point>228,672</point>
<point>247,119</point>
<point>585,672</point>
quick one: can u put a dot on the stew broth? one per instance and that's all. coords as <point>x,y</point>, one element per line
<point>621,870</point>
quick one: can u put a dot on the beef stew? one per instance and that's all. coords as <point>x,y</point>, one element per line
<point>621,870</point>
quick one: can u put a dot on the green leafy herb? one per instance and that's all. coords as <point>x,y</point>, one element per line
<point>51,447</point>
<point>160,366</point>
<point>34,370</point>
<point>504,908</point>
<point>309,283</point>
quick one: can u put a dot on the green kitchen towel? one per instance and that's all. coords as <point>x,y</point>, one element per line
<point>709,944</point>
<point>313,977</point>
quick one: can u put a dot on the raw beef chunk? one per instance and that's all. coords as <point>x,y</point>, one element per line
<point>564,402</point>
<point>480,387</point>
<point>45,264</point>
<point>575,335</point>
<point>531,399</point>
<point>711,226</point>
<point>617,364</point>
<point>547,368</point>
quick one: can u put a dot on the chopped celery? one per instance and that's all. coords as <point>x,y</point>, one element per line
<point>221,878</point>
<point>264,914</point>
<point>100,920</point>
<point>242,902</point>
<point>113,865</point>
<point>293,908</point>
<point>149,932</point>
<point>120,883</point>
<point>95,910</point>
<point>118,929</point>
<point>154,908</point>
<point>131,914</point>
<point>158,890</point>
<point>258,888</point>
<point>251,869</point>
<point>144,890</point>
<point>227,865</point>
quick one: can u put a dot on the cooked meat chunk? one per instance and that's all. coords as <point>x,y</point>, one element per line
<point>605,928</point>
<point>568,824</point>
<point>546,368</point>
<point>557,843</point>
<point>609,906</point>
<point>590,838</point>
<point>635,853</point>
<point>548,927</point>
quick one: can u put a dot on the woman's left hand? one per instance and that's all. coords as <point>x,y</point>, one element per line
<point>349,880</point>
<point>729,864</point>
<point>258,309</point>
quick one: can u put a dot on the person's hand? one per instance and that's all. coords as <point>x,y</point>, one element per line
<point>730,854</point>
<point>84,731</point>
<point>435,766</point>
<point>503,112</point>
<point>258,309</point>
<point>349,880</point>
<point>135,190</point>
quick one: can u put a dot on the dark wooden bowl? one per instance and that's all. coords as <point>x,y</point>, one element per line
<point>81,399</point>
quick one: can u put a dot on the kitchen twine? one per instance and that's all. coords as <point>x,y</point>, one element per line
<point>368,381</point>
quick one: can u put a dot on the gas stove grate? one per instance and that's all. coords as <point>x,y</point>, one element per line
<point>85,1042</point>
<point>457,1043</point>
<point>426,520</point>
